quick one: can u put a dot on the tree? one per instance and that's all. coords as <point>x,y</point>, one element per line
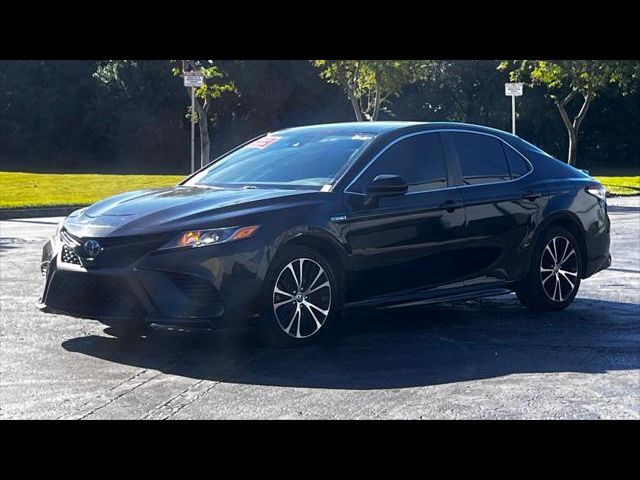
<point>296,96</point>
<point>460,91</point>
<point>134,117</point>
<point>215,84</point>
<point>41,104</point>
<point>566,80</point>
<point>129,115</point>
<point>369,83</point>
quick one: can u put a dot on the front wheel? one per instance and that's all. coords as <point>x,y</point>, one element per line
<point>300,298</point>
<point>556,269</point>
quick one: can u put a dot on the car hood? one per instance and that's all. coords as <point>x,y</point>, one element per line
<point>168,209</point>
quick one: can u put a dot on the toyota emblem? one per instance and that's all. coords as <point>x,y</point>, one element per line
<point>92,248</point>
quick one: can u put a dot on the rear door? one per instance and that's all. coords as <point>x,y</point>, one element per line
<point>499,208</point>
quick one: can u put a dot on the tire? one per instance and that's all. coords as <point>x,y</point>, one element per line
<point>554,277</point>
<point>291,315</point>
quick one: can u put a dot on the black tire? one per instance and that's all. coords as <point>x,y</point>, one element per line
<point>544,285</point>
<point>303,327</point>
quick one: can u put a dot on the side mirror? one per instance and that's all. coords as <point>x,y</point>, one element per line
<point>385,186</point>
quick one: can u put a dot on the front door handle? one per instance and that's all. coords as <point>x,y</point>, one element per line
<point>450,205</point>
<point>531,196</point>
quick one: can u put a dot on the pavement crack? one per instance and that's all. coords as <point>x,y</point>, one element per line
<point>110,401</point>
<point>123,388</point>
<point>189,395</point>
<point>166,410</point>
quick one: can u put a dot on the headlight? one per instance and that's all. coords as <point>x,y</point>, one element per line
<point>597,191</point>
<point>214,236</point>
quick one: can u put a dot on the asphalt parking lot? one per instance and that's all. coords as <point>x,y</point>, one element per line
<point>487,358</point>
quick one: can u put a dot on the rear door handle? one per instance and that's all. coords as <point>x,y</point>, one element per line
<point>531,196</point>
<point>450,205</point>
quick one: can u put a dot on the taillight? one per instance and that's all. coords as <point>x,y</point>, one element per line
<point>597,191</point>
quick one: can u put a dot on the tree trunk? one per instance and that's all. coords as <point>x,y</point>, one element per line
<point>355,105</point>
<point>573,148</point>
<point>346,82</point>
<point>205,142</point>
<point>378,101</point>
<point>203,125</point>
<point>573,127</point>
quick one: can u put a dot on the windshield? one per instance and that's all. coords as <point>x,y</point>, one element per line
<point>312,159</point>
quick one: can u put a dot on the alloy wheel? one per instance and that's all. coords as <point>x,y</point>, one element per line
<point>559,269</point>
<point>302,298</point>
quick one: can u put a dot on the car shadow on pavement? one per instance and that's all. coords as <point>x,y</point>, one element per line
<point>399,348</point>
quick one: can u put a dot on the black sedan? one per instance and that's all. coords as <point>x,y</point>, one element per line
<point>297,226</point>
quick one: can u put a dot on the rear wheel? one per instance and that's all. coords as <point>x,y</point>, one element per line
<point>300,298</point>
<point>556,269</point>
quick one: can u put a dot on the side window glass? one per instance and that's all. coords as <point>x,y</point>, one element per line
<point>419,159</point>
<point>482,158</point>
<point>519,166</point>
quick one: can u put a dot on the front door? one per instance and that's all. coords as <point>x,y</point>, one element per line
<point>407,243</point>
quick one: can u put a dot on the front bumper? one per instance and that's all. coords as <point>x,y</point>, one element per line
<point>196,286</point>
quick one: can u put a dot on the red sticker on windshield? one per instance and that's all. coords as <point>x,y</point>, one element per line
<point>264,141</point>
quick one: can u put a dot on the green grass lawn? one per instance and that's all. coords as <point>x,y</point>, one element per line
<point>618,181</point>
<point>41,189</point>
<point>621,185</point>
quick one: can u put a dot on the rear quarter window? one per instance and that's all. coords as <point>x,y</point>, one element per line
<point>518,165</point>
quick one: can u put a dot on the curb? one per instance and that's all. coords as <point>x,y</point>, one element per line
<point>9,213</point>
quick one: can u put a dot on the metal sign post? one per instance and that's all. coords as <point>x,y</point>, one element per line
<point>513,90</point>
<point>193,131</point>
<point>193,80</point>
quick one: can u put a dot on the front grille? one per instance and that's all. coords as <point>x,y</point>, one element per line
<point>116,251</point>
<point>92,296</point>
<point>69,256</point>
<point>69,239</point>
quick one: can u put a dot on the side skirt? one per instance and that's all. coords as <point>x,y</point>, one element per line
<point>426,298</point>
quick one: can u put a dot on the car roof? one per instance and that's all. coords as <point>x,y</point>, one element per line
<point>351,127</point>
<point>390,126</point>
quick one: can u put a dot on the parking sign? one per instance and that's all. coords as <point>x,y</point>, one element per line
<point>513,89</point>
<point>193,79</point>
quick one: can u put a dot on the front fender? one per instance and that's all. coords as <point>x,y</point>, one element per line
<point>331,236</point>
